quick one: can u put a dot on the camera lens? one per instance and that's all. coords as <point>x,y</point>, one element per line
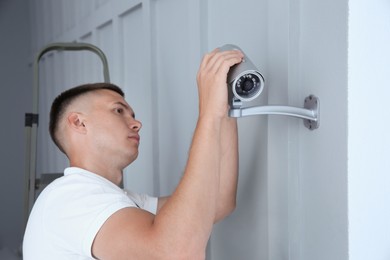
<point>247,86</point>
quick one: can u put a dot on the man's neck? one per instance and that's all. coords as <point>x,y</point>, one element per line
<point>110,173</point>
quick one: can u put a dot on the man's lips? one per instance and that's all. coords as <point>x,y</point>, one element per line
<point>135,137</point>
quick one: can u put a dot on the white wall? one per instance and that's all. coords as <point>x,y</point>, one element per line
<point>16,80</point>
<point>244,234</point>
<point>323,153</point>
<point>368,130</point>
<point>293,184</point>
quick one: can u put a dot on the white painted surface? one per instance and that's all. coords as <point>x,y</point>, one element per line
<point>368,130</point>
<point>245,234</point>
<point>323,153</point>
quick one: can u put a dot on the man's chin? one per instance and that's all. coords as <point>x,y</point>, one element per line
<point>132,158</point>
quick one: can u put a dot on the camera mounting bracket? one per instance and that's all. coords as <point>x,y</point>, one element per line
<point>310,113</point>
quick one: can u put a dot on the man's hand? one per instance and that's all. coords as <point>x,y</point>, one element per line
<point>211,78</point>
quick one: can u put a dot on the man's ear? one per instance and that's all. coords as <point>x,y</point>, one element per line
<point>76,122</point>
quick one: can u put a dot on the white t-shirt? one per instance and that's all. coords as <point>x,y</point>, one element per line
<point>70,211</point>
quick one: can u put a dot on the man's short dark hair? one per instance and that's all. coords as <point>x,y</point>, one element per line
<point>62,101</point>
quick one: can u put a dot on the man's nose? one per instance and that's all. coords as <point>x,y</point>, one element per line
<point>135,125</point>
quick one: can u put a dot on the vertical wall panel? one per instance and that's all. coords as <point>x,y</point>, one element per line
<point>85,62</point>
<point>39,33</point>
<point>177,92</point>
<point>99,3</point>
<point>105,40</point>
<point>245,234</point>
<point>85,8</point>
<point>278,157</point>
<point>92,68</point>
<point>67,69</point>
<point>71,14</point>
<point>295,221</point>
<point>139,175</point>
<point>65,7</point>
<point>323,153</point>
<point>56,21</point>
<point>47,20</point>
<point>150,77</point>
<point>91,65</point>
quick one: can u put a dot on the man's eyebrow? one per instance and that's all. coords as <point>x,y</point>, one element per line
<point>125,106</point>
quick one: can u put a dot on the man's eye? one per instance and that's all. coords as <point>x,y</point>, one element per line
<point>119,110</point>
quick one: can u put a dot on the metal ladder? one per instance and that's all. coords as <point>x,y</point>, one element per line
<point>32,184</point>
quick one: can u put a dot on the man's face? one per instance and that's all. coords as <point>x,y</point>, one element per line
<point>112,128</point>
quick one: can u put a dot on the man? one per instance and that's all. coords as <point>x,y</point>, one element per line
<point>85,214</point>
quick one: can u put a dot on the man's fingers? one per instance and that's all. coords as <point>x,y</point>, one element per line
<point>207,57</point>
<point>226,64</point>
<point>224,59</point>
<point>216,65</point>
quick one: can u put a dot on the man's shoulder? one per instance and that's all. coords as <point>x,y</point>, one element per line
<point>71,210</point>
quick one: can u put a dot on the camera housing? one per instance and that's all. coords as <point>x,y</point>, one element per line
<point>245,82</point>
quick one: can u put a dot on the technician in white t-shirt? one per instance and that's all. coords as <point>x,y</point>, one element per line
<point>85,215</point>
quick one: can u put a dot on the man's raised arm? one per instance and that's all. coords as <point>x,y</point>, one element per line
<point>182,227</point>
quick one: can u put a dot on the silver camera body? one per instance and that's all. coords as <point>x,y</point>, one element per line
<point>245,82</point>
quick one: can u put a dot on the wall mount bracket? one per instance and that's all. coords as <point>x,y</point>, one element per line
<point>310,113</point>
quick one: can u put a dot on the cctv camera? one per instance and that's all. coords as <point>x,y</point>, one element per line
<point>245,82</point>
